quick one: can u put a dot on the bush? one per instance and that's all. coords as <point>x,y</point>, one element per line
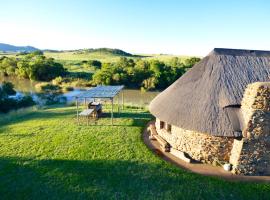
<point>8,104</point>
<point>46,87</point>
<point>68,88</point>
<point>8,88</point>
<point>25,101</point>
<point>57,81</point>
<point>34,66</point>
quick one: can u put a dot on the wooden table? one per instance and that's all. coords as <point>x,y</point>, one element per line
<point>87,113</point>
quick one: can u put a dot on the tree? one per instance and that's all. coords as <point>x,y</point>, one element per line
<point>7,103</point>
<point>92,63</point>
<point>34,66</point>
<point>8,66</point>
<point>8,88</point>
<point>191,61</point>
<point>95,63</point>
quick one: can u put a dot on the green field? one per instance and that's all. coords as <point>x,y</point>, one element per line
<point>105,57</point>
<point>46,155</point>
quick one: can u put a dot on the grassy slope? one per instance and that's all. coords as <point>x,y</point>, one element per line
<point>44,155</point>
<point>71,56</point>
<point>104,57</point>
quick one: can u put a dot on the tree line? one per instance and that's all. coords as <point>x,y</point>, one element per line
<point>133,73</point>
<point>152,74</point>
<point>33,66</point>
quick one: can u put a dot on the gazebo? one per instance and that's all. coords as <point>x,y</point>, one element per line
<point>101,92</point>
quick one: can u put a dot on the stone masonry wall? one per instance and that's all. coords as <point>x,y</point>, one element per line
<point>199,146</point>
<point>251,154</point>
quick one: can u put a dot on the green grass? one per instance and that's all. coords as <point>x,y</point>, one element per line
<point>105,57</point>
<point>73,56</point>
<point>45,155</point>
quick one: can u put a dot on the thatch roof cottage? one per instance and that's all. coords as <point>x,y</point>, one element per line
<point>218,112</point>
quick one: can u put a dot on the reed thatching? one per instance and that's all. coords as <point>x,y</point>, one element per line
<point>200,98</point>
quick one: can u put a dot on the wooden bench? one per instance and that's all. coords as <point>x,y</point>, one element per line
<point>165,146</point>
<point>153,131</point>
<point>86,114</point>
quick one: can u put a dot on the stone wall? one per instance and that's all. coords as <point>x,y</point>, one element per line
<point>251,154</point>
<point>199,146</point>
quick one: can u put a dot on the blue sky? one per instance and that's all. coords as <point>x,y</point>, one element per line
<point>181,27</point>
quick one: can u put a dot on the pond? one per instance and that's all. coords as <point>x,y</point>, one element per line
<point>25,86</point>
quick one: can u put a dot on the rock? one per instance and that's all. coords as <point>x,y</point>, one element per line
<point>227,167</point>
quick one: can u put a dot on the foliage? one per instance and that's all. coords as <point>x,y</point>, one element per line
<point>68,88</point>
<point>152,74</point>
<point>7,103</point>
<point>25,101</point>
<point>95,64</point>
<point>47,87</point>
<point>8,88</point>
<point>133,71</point>
<point>191,61</point>
<point>34,66</point>
<point>46,155</point>
<point>77,79</point>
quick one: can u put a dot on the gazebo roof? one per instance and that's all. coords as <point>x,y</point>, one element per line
<point>101,92</point>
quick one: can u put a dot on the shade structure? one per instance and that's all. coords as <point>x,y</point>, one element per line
<point>102,92</point>
<point>206,98</point>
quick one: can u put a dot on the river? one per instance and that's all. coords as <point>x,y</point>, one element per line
<point>132,97</point>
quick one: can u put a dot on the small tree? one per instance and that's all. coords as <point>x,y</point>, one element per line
<point>8,88</point>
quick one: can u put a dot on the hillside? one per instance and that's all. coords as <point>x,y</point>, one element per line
<point>74,56</point>
<point>116,52</point>
<point>104,55</point>
<point>11,48</point>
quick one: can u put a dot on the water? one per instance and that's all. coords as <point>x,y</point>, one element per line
<point>24,86</point>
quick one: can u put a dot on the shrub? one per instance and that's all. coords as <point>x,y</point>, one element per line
<point>34,66</point>
<point>8,88</point>
<point>8,104</point>
<point>68,88</point>
<point>46,87</point>
<point>25,101</point>
<point>57,81</point>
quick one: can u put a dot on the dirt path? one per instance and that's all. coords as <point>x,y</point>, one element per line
<point>204,169</point>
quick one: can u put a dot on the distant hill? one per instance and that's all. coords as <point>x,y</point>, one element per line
<point>116,52</point>
<point>12,48</point>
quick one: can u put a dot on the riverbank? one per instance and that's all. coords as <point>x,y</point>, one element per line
<point>133,97</point>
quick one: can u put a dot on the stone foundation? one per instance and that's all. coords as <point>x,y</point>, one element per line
<point>199,146</point>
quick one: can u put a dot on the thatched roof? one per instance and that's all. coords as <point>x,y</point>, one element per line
<point>200,99</point>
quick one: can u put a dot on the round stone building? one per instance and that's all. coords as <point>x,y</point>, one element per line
<point>219,111</point>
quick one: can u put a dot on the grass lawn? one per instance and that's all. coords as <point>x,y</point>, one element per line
<point>45,155</point>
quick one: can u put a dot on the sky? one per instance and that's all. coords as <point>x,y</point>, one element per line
<point>180,27</point>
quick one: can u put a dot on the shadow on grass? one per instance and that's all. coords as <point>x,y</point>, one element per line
<point>40,114</point>
<point>138,118</point>
<point>112,179</point>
